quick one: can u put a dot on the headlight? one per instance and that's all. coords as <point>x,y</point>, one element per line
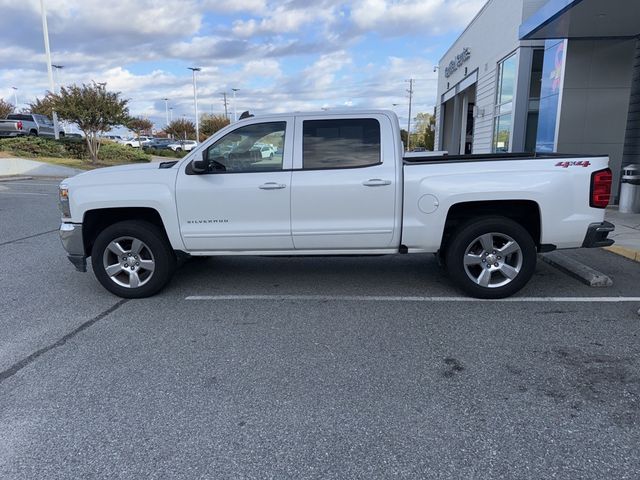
<point>64,201</point>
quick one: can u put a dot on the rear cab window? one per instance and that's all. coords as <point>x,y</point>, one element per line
<point>340,143</point>
<point>20,116</point>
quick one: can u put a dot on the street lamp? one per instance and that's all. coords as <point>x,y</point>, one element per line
<point>45,32</point>
<point>15,96</point>
<point>170,114</point>
<point>57,77</point>
<point>235,111</point>
<point>195,100</point>
<point>166,109</point>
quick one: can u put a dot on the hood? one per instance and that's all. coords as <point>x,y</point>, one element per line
<point>91,175</point>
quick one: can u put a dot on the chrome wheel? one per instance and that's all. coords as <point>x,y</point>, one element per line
<point>493,260</point>
<point>128,262</point>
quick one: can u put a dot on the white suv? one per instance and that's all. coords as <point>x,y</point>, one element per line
<point>183,145</point>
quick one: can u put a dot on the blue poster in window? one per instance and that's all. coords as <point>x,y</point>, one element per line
<point>552,82</point>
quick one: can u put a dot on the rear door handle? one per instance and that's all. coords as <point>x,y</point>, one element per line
<point>272,186</point>
<point>376,182</point>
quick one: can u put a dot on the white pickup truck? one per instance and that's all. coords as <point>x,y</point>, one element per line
<point>339,184</point>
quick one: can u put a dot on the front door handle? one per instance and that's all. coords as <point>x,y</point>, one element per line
<point>272,186</point>
<point>376,182</point>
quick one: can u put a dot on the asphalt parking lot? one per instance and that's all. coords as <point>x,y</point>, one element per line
<point>256,367</point>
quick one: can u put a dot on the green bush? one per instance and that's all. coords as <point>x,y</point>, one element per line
<point>114,152</point>
<point>110,152</point>
<point>165,152</point>
<point>75,147</point>
<point>33,147</point>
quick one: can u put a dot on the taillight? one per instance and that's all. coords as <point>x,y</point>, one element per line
<point>600,188</point>
<point>19,125</point>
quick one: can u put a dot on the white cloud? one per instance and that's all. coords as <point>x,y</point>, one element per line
<point>427,16</point>
<point>286,55</point>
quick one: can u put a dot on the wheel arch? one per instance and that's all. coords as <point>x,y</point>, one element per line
<point>524,212</point>
<point>96,220</point>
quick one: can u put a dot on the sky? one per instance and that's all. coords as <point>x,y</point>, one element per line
<point>282,56</point>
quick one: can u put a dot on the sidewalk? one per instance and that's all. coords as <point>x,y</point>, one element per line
<point>626,235</point>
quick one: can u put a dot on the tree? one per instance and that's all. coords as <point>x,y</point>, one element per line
<point>425,129</point>
<point>42,106</point>
<point>210,124</point>
<point>6,108</point>
<point>139,125</point>
<point>182,129</point>
<point>403,137</point>
<point>93,109</point>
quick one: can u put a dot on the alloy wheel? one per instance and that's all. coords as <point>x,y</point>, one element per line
<point>128,262</point>
<point>493,260</point>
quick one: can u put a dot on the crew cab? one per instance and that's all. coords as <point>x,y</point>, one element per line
<point>19,124</point>
<point>340,184</point>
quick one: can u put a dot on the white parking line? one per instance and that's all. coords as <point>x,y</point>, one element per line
<point>53,184</point>
<point>365,298</point>
<point>27,193</point>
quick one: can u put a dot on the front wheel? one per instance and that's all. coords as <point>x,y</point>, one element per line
<point>132,259</point>
<point>491,257</point>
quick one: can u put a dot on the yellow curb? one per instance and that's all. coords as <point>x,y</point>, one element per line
<point>629,253</point>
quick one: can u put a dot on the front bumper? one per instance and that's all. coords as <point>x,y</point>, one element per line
<point>597,235</point>
<point>71,238</point>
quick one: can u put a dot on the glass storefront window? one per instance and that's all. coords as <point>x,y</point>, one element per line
<point>504,104</point>
<point>506,80</point>
<point>502,133</point>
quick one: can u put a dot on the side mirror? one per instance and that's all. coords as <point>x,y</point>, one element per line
<point>200,166</point>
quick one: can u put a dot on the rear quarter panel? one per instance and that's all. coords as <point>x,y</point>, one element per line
<point>562,194</point>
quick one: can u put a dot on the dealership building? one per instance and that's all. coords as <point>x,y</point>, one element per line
<point>547,76</point>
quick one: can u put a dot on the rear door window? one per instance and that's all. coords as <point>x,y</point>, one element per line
<point>340,143</point>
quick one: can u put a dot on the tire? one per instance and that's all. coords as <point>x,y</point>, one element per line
<point>140,242</point>
<point>61,134</point>
<point>33,133</point>
<point>178,149</point>
<point>470,255</point>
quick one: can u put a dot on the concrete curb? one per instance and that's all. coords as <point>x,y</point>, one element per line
<point>580,271</point>
<point>14,178</point>
<point>21,166</point>
<point>626,252</point>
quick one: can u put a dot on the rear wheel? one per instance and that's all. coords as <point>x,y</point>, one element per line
<point>491,257</point>
<point>132,259</point>
<point>33,133</point>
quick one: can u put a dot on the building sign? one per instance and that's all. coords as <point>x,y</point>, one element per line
<point>457,62</point>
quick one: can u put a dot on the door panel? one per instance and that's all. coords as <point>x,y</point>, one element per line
<point>334,207</point>
<point>235,211</point>
<point>243,202</point>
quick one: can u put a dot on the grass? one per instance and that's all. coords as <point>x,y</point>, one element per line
<point>65,162</point>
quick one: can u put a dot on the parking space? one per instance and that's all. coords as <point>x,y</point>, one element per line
<point>257,367</point>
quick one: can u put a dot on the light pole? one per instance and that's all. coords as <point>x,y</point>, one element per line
<point>195,100</point>
<point>166,109</point>
<point>235,111</point>
<point>45,32</point>
<point>15,96</point>
<point>57,76</point>
<point>170,114</point>
<point>226,114</point>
